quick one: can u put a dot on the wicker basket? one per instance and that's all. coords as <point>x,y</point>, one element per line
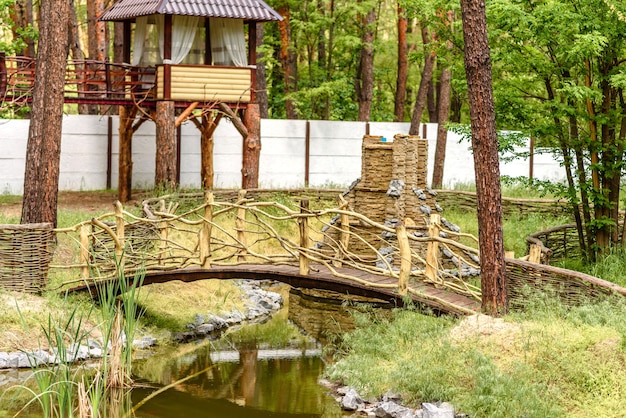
<point>25,254</point>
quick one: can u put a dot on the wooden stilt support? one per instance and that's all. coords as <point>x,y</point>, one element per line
<point>165,165</point>
<point>207,126</point>
<point>125,162</point>
<point>251,148</point>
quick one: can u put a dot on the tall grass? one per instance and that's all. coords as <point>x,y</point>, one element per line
<point>550,361</point>
<point>63,389</point>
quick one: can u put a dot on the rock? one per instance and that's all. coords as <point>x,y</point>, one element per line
<point>390,409</point>
<point>144,343</point>
<point>198,320</point>
<point>445,410</point>
<point>419,193</point>
<point>395,188</point>
<point>205,329</point>
<point>351,401</point>
<point>426,210</point>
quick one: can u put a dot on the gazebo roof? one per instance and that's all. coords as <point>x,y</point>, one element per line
<point>256,10</point>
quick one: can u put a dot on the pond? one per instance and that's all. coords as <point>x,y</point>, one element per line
<point>261,370</point>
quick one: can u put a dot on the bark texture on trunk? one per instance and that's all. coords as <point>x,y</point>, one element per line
<point>485,146</point>
<point>251,148</point>
<point>365,76</point>
<point>425,82</point>
<point>43,153</point>
<point>287,60</point>
<point>165,167</point>
<point>442,128</point>
<point>403,66</point>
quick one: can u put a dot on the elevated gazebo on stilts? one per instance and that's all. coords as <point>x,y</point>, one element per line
<point>194,66</point>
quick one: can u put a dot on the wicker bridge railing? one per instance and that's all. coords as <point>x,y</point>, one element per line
<point>169,237</point>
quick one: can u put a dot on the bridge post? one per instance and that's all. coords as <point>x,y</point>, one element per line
<point>119,229</point>
<point>240,226</point>
<point>305,241</point>
<point>163,232</point>
<point>405,259</point>
<point>205,232</point>
<point>84,251</point>
<point>344,238</point>
<point>433,247</point>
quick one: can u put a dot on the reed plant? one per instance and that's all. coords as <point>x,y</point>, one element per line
<point>65,389</point>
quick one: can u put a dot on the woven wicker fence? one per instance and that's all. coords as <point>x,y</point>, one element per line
<point>571,287</point>
<point>25,254</point>
<point>460,200</point>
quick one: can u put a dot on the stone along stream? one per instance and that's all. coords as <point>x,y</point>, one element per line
<point>258,370</point>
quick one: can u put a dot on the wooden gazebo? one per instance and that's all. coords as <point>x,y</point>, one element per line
<point>218,75</point>
<point>183,60</point>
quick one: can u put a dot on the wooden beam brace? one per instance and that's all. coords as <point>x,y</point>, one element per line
<point>237,122</point>
<point>185,114</point>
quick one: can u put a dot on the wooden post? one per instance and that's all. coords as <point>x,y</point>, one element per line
<point>305,241</point>
<point>119,229</point>
<point>534,254</point>
<point>240,226</point>
<point>207,127</point>
<point>251,148</point>
<point>164,230</point>
<point>205,232</point>
<point>165,162</point>
<point>405,259</point>
<point>344,236</point>
<point>432,253</point>
<point>84,251</point>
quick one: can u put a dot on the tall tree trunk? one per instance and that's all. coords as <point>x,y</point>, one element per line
<point>251,148</point>
<point>456,105</point>
<point>403,67</point>
<point>425,82</point>
<point>485,147</point>
<point>261,76</point>
<point>365,73</point>
<point>165,163</point>
<point>43,153</point>
<point>77,53</point>
<point>98,41</point>
<point>287,60</point>
<point>431,101</point>
<point>442,128</point>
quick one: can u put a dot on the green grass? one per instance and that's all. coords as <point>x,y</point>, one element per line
<point>551,361</point>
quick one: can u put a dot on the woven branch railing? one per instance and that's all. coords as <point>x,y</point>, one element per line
<point>245,231</point>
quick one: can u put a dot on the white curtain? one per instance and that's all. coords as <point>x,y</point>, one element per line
<point>228,44</point>
<point>141,24</point>
<point>184,30</point>
<point>145,50</point>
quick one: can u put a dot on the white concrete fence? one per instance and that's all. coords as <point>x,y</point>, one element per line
<point>334,154</point>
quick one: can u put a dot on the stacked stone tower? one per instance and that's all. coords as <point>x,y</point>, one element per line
<point>392,189</point>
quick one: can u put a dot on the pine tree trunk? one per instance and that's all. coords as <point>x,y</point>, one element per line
<point>287,60</point>
<point>403,67</point>
<point>251,148</point>
<point>22,15</point>
<point>485,148</point>
<point>422,92</point>
<point>442,128</point>
<point>365,76</point>
<point>125,157</point>
<point>165,163</point>
<point>98,42</point>
<point>43,153</point>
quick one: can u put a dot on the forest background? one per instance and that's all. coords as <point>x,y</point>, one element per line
<point>558,75</point>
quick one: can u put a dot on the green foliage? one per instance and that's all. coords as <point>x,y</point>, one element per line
<point>8,43</point>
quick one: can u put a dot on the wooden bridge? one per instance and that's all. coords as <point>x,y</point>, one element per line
<point>328,248</point>
<point>194,237</point>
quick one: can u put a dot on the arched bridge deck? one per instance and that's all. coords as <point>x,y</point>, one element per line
<point>320,277</point>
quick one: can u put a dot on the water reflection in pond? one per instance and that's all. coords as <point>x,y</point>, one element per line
<point>262,370</point>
